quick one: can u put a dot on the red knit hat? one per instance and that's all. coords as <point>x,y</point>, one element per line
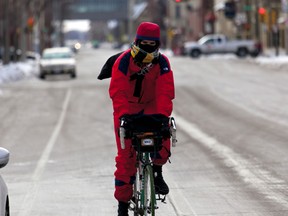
<point>148,31</point>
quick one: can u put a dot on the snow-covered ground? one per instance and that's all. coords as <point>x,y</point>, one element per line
<point>23,70</point>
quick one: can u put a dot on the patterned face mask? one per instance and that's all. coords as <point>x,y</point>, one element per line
<point>142,56</point>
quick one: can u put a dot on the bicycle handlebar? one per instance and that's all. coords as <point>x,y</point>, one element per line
<point>122,134</point>
<point>172,130</point>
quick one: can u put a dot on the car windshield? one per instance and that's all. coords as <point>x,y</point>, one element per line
<point>57,55</point>
<point>203,40</point>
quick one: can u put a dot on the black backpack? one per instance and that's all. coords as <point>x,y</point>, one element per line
<point>106,70</point>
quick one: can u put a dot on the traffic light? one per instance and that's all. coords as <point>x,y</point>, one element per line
<point>30,23</point>
<point>230,9</point>
<point>262,13</point>
<point>180,1</point>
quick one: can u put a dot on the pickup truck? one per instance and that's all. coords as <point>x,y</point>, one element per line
<point>218,43</point>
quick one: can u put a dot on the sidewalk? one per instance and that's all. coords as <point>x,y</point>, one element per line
<point>271,52</point>
<point>269,58</point>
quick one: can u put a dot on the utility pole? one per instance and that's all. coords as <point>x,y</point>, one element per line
<point>58,8</point>
<point>41,25</point>
<point>37,6</point>
<point>23,40</point>
<point>6,57</point>
<point>257,25</point>
<point>1,28</point>
<point>61,20</point>
<point>285,10</point>
<point>131,4</point>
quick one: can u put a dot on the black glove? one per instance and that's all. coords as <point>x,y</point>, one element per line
<point>164,119</point>
<point>127,124</point>
<point>165,129</point>
<point>127,121</point>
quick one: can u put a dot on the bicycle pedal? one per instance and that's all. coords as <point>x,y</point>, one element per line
<point>132,205</point>
<point>162,199</point>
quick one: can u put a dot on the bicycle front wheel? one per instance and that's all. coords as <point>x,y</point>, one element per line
<point>149,199</point>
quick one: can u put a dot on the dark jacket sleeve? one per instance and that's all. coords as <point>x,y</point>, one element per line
<point>106,70</point>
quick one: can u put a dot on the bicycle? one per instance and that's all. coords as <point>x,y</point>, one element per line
<point>146,134</point>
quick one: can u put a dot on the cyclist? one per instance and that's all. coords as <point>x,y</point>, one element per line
<point>142,82</point>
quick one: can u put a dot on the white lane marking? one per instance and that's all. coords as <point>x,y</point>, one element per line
<point>262,180</point>
<point>30,197</point>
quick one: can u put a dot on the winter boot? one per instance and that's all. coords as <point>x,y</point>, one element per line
<point>160,185</point>
<point>123,209</point>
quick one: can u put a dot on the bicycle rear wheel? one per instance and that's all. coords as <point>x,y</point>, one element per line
<point>149,199</point>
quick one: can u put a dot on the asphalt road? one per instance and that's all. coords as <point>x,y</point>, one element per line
<point>231,157</point>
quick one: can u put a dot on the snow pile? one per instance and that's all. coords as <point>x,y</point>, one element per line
<point>18,71</point>
<point>273,60</point>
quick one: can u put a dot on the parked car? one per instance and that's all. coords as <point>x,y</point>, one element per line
<point>4,198</point>
<point>57,60</point>
<point>30,55</point>
<point>14,54</point>
<point>218,43</point>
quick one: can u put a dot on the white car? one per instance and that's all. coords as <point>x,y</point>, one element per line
<point>57,60</point>
<point>4,198</point>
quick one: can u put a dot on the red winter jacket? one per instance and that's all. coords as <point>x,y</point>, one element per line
<point>157,86</point>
